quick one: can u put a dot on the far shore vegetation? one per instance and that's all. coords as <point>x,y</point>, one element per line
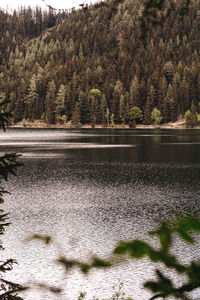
<point>182,123</point>
<point>91,66</point>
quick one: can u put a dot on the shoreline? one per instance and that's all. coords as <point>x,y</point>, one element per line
<point>39,125</point>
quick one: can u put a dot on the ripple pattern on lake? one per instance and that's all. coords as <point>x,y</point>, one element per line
<point>88,199</point>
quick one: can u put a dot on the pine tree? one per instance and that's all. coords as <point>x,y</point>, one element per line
<point>175,86</point>
<point>98,75</point>
<point>76,118</point>
<point>168,71</point>
<point>104,106</point>
<point>32,100</point>
<point>84,107</point>
<point>184,95</point>
<point>122,109</point>
<point>150,103</point>
<point>50,102</point>
<point>134,93</point>
<point>162,92</point>
<point>118,91</point>
<point>191,116</point>
<point>170,114</point>
<point>60,104</point>
<point>18,110</point>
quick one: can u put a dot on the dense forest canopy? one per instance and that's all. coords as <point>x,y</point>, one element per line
<point>52,62</point>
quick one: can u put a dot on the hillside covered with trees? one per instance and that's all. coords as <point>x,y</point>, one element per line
<point>85,66</point>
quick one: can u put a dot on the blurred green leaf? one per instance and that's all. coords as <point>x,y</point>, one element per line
<point>136,248</point>
<point>164,235</point>
<point>163,285</point>
<point>44,238</point>
<point>185,226</point>
<point>99,263</point>
<point>52,289</point>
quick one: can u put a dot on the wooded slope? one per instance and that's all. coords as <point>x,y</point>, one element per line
<point>54,65</point>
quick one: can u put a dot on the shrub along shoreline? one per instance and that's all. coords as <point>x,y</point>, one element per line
<point>68,125</point>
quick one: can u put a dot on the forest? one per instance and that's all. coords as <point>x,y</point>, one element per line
<point>86,67</point>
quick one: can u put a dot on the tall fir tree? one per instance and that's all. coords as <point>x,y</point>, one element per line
<point>50,102</point>
<point>60,103</point>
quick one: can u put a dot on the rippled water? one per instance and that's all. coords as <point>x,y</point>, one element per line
<point>89,189</point>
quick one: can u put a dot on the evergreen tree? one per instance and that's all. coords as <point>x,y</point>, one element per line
<point>122,109</point>
<point>170,105</point>
<point>60,104</point>
<point>118,92</point>
<point>191,116</point>
<point>150,103</point>
<point>32,100</point>
<point>84,107</point>
<point>76,118</point>
<point>168,71</point>
<point>50,102</point>
<point>162,92</point>
<point>103,110</point>
<point>134,93</point>
<point>82,54</point>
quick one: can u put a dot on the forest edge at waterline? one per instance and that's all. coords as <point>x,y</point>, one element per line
<point>39,124</point>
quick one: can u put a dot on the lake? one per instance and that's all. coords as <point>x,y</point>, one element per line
<point>88,189</point>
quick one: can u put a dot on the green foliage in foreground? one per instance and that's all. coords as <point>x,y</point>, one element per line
<point>163,287</point>
<point>8,165</point>
<point>118,294</point>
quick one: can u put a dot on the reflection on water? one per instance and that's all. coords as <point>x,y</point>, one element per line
<point>106,144</point>
<point>89,189</point>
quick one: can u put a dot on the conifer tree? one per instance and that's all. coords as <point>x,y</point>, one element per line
<point>122,109</point>
<point>170,104</point>
<point>168,71</point>
<point>184,95</point>
<point>191,116</point>
<point>103,110</point>
<point>50,102</point>
<point>60,104</point>
<point>162,92</point>
<point>150,103</point>
<point>18,110</point>
<point>118,91</point>
<point>32,100</point>
<point>82,54</point>
<point>76,118</point>
<point>134,93</point>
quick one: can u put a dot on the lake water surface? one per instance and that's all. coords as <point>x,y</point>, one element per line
<point>89,189</point>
